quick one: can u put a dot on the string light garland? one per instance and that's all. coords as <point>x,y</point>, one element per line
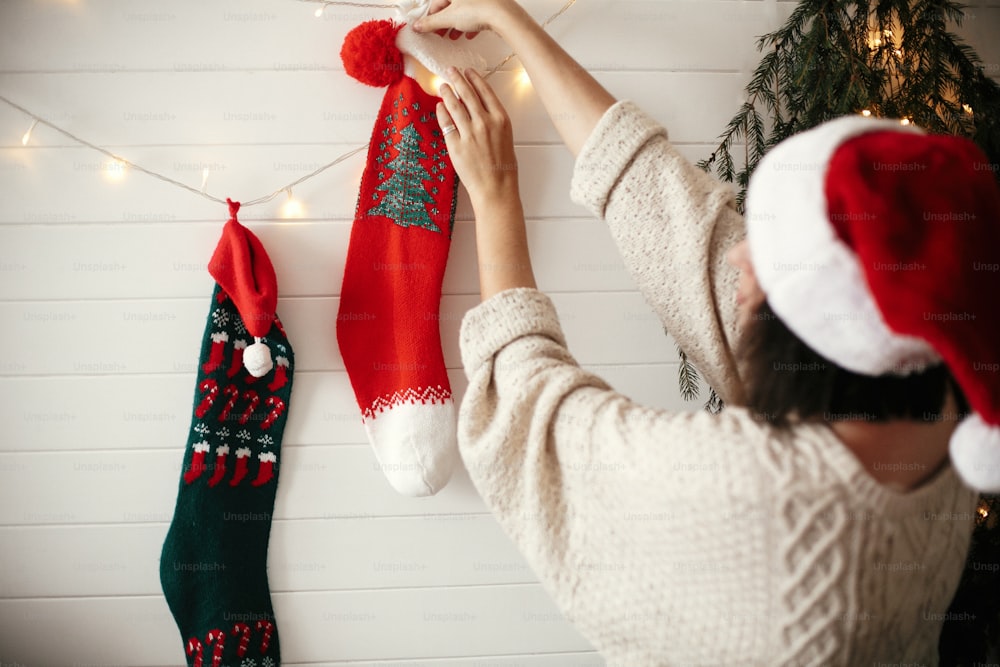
<point>545,24</point>
<point>292,207</point>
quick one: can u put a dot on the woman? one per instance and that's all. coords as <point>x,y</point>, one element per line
<point>817,520</point>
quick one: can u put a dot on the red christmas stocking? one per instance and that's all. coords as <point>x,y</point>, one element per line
<point>387,326</point>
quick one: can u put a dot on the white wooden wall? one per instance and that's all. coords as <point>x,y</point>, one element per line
<point>103,296</point>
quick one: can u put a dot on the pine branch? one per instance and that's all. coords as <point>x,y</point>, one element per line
<point>687,377</point>
<point>714,404</point>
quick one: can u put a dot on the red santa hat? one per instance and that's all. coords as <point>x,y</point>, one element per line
<point>879,246</point>
<point>244,271</point>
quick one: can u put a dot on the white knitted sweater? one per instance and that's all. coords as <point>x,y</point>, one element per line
<point>687,538</point>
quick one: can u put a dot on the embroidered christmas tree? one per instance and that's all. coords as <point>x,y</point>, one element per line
<point>404,191</point>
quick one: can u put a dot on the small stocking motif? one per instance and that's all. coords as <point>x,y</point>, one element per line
<point>221,452</point>
<point>237,363</point>
<point>219,340</point>
<point>197,462</point>
<point>280,374</point>
<point>265,473</point>
<point>242,463</point>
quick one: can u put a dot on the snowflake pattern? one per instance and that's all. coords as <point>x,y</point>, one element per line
<point>249,662</point>
<point>265,440</point>
<point>220,317</point>
<point>222,432</point>
<point>240,327</point>
<point>243,435</point>
<point>200,429</point>
<point>267,662</point>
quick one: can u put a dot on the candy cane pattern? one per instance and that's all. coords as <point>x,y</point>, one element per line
<point>195,648</point>
<point>218,637</point>
<point>277,407</point>
<point>249,395</point>
<point>233,392</point>
<point>242,461</point>
<point>211,390</point>
<point>242,629</point>
<point>268,627</point>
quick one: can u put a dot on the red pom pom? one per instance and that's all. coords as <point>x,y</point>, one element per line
<point>370,54</point>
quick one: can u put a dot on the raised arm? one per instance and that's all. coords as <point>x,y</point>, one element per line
<point>574,100</point>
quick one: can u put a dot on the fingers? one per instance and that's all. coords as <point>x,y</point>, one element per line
<point>466,93</point>
<point>433,21</point>
<point>445,121</point>
<point>456,112</point>
<point>488,97</point>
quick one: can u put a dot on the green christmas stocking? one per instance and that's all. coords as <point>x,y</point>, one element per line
<point>213,568</point>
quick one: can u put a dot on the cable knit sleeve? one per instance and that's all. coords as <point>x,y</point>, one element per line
<point>673,224</point>
<point>588,483</point>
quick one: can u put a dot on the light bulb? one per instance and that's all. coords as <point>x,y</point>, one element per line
<point>904,121</point>
<point>866,112</point>
<point>292,208</point>
<point>524,79</point>
<point>114,170</point>
<point>967,109</point>
<point>26,137</point>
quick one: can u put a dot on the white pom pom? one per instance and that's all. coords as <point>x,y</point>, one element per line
<point>257,359</point>
<point>975,453</point>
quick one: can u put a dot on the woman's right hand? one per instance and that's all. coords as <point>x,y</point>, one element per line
<point>458,17</point>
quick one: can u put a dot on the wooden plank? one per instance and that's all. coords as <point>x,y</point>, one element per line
<point>160,336</point>
<point>236,108</point>
<point>106,486</point>
<point>545,171</point>
<point>308,555</point>
<point>338,626</point>
<point>659,33</point>
<point>154,411</point>
<point>575,658</point>
<point>167,260</point>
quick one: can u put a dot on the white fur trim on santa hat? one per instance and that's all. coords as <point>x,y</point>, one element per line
<point>812,280</point>
<point>975,453</point>
<point>431,50</point>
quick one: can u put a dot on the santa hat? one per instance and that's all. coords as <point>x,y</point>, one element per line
<point>244,271</point>
<point>879,246</point>
<point>373,52</point>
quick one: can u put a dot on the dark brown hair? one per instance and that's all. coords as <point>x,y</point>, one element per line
<point>787,380</point>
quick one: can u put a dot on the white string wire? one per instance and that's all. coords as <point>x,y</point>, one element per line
<point>38,120</point>
<point>545,25</point>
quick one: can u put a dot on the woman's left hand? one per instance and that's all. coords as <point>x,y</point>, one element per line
<point>481,145</point>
